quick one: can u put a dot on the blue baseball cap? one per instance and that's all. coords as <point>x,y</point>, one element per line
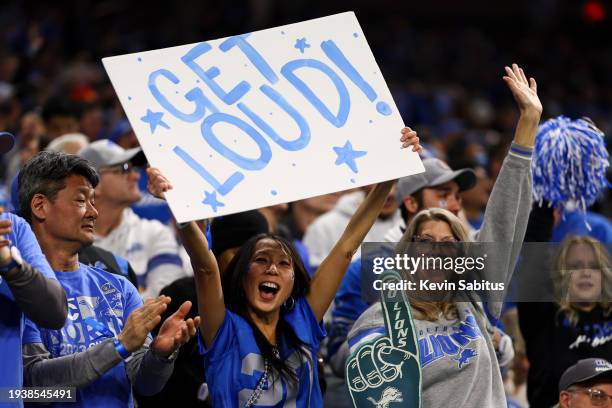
<point>121,128</point>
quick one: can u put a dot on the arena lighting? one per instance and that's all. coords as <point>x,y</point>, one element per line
<point>594,11</point>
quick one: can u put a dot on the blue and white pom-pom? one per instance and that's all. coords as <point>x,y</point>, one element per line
<point>569,163</point>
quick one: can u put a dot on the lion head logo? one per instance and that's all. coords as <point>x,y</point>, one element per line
<point>389,395</point>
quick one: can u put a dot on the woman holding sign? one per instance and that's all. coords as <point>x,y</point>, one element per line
<point>260,328</point>
<point>454,342</point>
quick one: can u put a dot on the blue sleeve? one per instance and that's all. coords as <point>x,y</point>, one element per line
<point>223,341</point>
<point>31,334</point>
<point>25,240</point>
<point>164,259</point>
<point>123,265</point>
<point>348,306</point>
<point>132,298</point>
<point>304,323</point>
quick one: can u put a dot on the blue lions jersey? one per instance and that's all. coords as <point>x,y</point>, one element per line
<point>99,303</point>
<point>234,364</point>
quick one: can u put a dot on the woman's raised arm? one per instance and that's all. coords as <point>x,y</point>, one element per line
<point>329,275</point>
<point>211,306</point>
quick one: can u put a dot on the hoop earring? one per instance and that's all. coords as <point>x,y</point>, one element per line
<point>289,303</point>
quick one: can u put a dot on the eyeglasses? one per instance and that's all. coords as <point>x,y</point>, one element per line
<point>598,398</point>
<point>123,168</point>
<point>426,239</point>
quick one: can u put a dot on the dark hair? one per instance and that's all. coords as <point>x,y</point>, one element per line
<point>418,198</point>
<point>46,173</point>
<point>236,300</point>
<point>231,231</point>
<point>59,106</point>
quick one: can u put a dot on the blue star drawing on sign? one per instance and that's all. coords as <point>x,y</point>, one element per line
<point>301,43</point>
<point>154,119</point>
<point>211,199</point>
<point>347,155</point>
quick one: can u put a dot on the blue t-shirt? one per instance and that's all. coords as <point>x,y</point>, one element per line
<point>11,316</point>
<point>234,364</point>
<point>99,303</point>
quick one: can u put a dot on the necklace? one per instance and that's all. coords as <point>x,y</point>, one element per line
<point>260,384</point>
<point>262,380</point>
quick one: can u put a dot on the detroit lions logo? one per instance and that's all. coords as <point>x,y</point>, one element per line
<point>107,289</point>
<point>389,395</point>
<point>465,356</point>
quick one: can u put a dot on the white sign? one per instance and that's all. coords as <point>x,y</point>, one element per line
<point>264,118</point>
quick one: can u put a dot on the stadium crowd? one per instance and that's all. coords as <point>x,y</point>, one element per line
<point>100,289</point>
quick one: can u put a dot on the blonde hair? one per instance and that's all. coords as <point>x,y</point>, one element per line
<point>562,280</point>
<point>429,310</point>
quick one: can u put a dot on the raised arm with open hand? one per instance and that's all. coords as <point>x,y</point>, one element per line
<point>175,331</point>
<point>211,306</point>
<point>525,94</point>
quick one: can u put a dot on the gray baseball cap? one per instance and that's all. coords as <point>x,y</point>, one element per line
<point>437,172</point>
<point>583,370</point>
<point>105,153</point>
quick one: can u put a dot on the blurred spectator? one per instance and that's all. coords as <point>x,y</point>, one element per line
<point>123,135</point>
<point>148,206</point>
<point>466,153</point>
<point>229,232</point>
<point>91,121</point>
<point>576,327</point>
<point>149,246</point>
<point>61,117</point>
<point>71,143</point>
<point>273,215</point>
<point>324,232</point>
<point>303,212</point>
<point>27,145</point>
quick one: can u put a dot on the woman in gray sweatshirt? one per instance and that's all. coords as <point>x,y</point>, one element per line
<point>455,344</point>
